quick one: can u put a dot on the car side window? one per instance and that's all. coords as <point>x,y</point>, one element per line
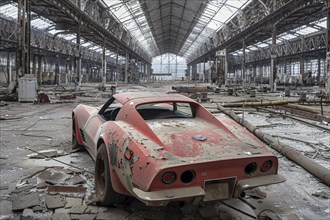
<point>110,109</point>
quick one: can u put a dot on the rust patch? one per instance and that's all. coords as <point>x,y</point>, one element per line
<point>113,148</point>
<point>128,154</point>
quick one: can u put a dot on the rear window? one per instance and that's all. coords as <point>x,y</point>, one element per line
<point>164,110</point>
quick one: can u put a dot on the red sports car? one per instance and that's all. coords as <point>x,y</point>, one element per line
<point>164,147</point>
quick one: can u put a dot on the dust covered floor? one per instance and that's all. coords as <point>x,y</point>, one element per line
<point>35,187</point>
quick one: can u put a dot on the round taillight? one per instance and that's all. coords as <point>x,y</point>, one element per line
<point>266,166</point>
<point>168,178</point>
<point>187,176</point>
<point>250,168</point>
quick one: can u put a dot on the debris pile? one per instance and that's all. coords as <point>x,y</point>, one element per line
<point>55,192</point>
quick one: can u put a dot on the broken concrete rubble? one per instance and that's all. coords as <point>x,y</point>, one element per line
<point>53,176</point>
<point>46,153</point>
<point>55,201</point>
<point>83,216</point>
<point>78,209</point>
<point>22,188</point>
<point>76,179</point>
<point>42,185</point>
<point>25,201</point>
<point>61,216</point>
<point>72,201</point>
<point>30,214</point>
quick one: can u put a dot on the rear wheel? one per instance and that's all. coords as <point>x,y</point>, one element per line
<point>75,145</point>
<point>106,194</point>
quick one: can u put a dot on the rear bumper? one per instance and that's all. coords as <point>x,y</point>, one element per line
<point>161,198</point>
<point>251,183</point>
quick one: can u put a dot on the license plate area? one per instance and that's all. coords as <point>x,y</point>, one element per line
<point>219,189</point>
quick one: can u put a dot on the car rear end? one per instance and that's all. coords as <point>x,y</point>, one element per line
<point>212,180</point>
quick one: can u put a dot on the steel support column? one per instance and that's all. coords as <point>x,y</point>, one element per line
<point>23,38</point>
<point>78,59</point>
<point>145,71</point>
<point>116,77</point>
<point>302,69</point>
<point>34,65</point>
<point>194,72</point>
<point>318,71</point>
<point>188,75</point>
<point>216,73</point>
<point>210,71</point>
<point>226,66</point>
<point>328,56</point>
<point>272,76</point>
<point>104,64</point>
<point>126,67</point>
<point>176,67</point>
<point>203,71</point>
<point>9,73</point>
<point>254,73</point>
<point>243,63</point>
<point>66,71</point>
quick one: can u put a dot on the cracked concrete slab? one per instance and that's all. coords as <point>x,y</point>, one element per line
<point>62,210</point>
<point>84,217</point>
<point>45,154</point>
<point>76,179</point>
<point>4,186</point>
<point>25,201</point>
<point>42,185</point>
<point>29,214</point>
<point>61,216</point>
<point>37,208</point>
<point>113,213</point>
<point>55,201</point>
<point>23,188</point>
<point>53,176</point>
<point>78,209</point>
<point>72,201</point>
<point>92,210</point>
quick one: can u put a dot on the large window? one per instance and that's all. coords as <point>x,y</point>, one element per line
<point>169,65</point>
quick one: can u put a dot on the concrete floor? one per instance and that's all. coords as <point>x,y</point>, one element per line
<point>48,126</point>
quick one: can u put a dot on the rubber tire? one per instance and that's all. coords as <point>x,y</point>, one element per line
<point>103,186</point>
<point>75,145</point>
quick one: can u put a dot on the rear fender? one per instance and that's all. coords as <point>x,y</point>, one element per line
<point>115,180</point>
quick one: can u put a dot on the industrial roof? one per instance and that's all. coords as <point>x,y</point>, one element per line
<point>168,26</point>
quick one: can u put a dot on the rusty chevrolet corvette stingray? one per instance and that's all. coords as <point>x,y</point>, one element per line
<point>167,147</point>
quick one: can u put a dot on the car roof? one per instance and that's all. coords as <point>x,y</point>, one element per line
<point>145,97</point>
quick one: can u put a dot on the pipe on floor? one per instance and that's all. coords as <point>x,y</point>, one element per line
<point>256,104</point>
<point>308,164</point>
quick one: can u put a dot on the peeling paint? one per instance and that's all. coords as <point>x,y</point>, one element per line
<point>113,148</point>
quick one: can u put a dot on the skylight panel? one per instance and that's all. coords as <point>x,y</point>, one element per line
<point>40,23</point>
<point>216,14</point>
<point>306,31</point>
<point>135,23</point>
<point>288,36</point>
<point>9,10</point>
<point>261,44</point>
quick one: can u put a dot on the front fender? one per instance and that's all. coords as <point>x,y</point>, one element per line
<point>78,134</point>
